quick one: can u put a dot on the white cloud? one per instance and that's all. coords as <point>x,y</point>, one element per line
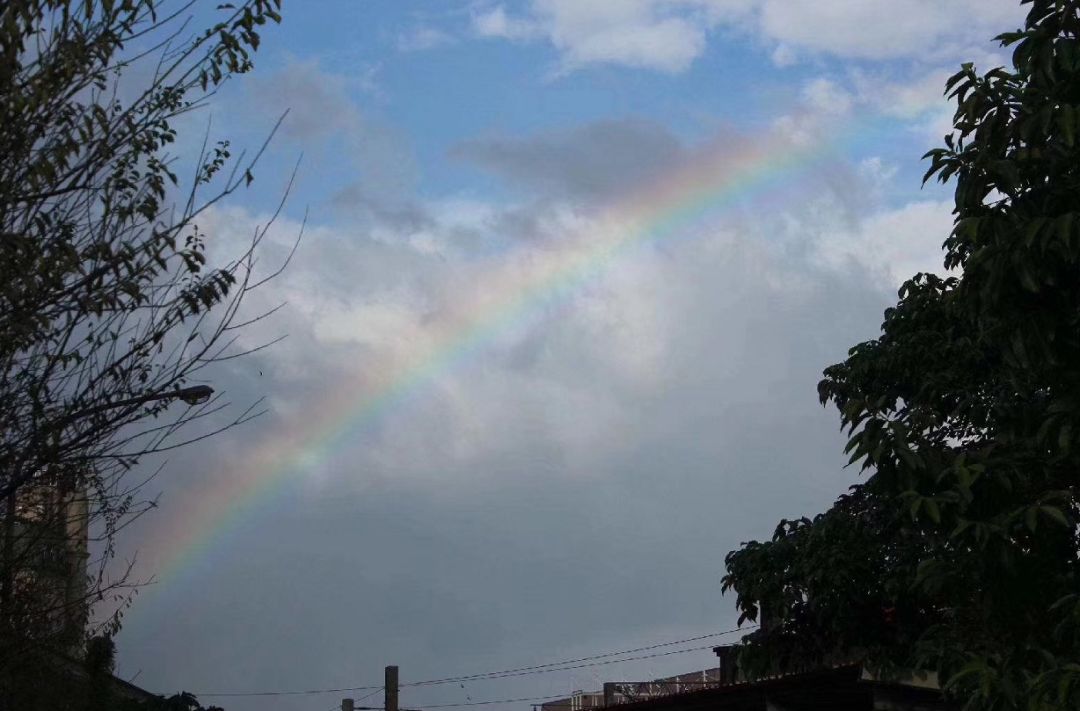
<point>423,38</point>
<point>892,245</point>
<point>916,101</point>
<point>578,362</point>
<point>636,33</point>
<point>885,29</point>
<point>826,97</point>
<point>784,56</point>
<point>907,98</point>
<point>876,173</point>
<point>494,22</point>
<point>668,36</point>
<point>566,381</point>
<point>666,44</point>
<point>919,100</point>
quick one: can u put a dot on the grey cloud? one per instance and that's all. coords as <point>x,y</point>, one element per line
<point>521,545</point>
<point>317,101</point>
<point>358,202</point>
<point>597,160</point>
<point>339,136</point>
<point>569,486</point>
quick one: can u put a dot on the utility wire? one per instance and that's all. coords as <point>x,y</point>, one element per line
<point>493,701</point>
<point>513,672</point>
<point>594,664</point>
<point>305,692</point>
<point>565,668</point>
<point>519,671</point>
<point>368,696</point>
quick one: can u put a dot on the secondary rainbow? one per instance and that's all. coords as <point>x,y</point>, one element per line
<point>509,290</point>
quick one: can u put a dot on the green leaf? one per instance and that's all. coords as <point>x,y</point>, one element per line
<point>1034,227</point>
<point>1054,513</point>
<point>932,510</point>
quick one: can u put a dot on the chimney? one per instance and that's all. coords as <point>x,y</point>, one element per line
<point>728,655</point>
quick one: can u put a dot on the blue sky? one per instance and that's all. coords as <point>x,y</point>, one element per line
<point>427,73</point>
<point>570,487</point>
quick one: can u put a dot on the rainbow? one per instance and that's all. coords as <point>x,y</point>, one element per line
<point>509,292</point>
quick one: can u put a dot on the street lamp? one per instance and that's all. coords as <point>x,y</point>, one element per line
<point>193,395</point>
<point>196,394</point>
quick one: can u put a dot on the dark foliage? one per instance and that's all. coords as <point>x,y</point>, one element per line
<point>109,308</point>
<point>960,553</point>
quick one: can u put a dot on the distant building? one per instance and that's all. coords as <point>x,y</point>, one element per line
<point>577,701</point>
<point>842,688</point>
<point>48,544</point>
<point>622,692</point>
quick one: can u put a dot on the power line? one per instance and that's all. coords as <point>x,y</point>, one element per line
<point>368,696</point>
<point>564,668</point>
<point>493,701</point>
<point>305,692</point>
<point>513,672</point>
<point>519,671</point>
<point>596,664</point>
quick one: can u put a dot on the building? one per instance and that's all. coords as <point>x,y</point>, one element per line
<point>46,546</point>
<point>842,688</point>
<point>621,692</point>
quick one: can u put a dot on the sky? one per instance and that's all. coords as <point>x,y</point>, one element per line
<point>569,273</point>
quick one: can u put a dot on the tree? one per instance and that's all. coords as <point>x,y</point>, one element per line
<point>960,551</point>
<point>51,683</point>
<point>109,311</point>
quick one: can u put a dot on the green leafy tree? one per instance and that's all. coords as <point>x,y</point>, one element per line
<point>959,553</point>
<point>109,309</point>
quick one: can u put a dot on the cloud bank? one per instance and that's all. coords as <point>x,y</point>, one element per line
<point>669,36</point>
